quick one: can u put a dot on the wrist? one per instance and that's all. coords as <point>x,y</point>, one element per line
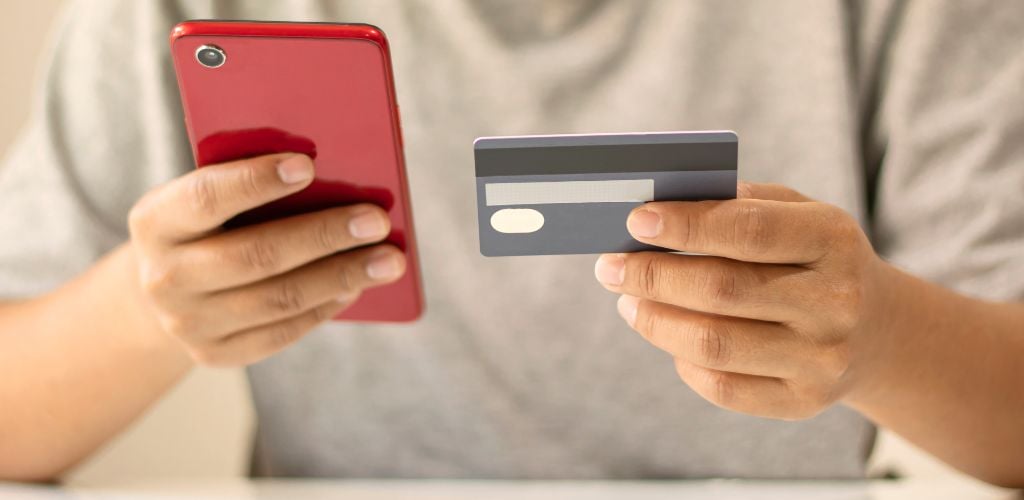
<point>140,325</point>
<point>882,347</point>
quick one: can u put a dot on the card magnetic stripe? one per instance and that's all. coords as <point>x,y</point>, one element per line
<point>492,160</point>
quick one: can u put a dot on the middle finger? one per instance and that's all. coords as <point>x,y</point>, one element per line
<point>718,342</point>
<point>253,253</point>
<point>339,277</point>
<point>768,292</point>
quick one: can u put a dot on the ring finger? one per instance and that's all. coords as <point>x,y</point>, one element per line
<point>717,342</point>
<point>338,277</point>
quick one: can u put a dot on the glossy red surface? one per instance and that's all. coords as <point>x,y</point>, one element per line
<point>325,90</point>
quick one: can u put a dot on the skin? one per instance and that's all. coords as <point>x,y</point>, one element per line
<point>790,311</point>
<point>74,370</point>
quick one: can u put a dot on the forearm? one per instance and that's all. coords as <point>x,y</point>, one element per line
<point>950,378</point>
<point>76,367</point>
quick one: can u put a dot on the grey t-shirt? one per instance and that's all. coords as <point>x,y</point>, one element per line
<point>908,116</point>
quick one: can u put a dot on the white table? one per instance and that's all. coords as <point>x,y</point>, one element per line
<point>498,490</point>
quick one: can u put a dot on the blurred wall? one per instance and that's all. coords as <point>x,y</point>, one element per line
<point>202,427</point>
<point>21,41</point>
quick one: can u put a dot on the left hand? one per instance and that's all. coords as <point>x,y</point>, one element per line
<point>781,316</point>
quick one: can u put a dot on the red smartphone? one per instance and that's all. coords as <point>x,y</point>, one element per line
<point>325,90</point>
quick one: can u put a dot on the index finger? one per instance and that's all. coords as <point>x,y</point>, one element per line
<point>750,230</point>
<point>200,201</point>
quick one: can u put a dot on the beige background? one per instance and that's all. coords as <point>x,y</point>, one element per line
<point>202,428</point>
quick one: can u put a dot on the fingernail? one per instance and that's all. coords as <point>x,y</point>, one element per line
<point>295,169</point>
<point>368,226</point>
<point>627,308</point>
<point>644,224</point>
<point>610,269</point>
<point>384,267</point>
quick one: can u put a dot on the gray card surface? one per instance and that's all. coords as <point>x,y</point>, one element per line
<point>571,194</point>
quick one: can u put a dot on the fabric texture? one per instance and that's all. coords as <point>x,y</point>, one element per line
<point>910,117</point>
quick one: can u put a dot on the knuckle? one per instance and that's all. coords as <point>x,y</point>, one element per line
<point>648,278</point>
<point>837,220</point>
<point>834,361</point>
<point>287,297</point>
<point>751,232</point>
<point>847,301</point>
<point>157,280</point>
<point>690,235</point>
<point>720,388</point>
<point>321,314</point>
<point>284,334</point>
<point>259,254</point>
<point>649,325</point>
<point>179,325</point>
<point>841,233</point>
<point>345,280</point>
<point>349,274</point>
<point>710,345</point>
<point>249,183</point>
<point>719,287</point>
<point>202,194</point>
<point>137,218</point>
<point>325,236</point>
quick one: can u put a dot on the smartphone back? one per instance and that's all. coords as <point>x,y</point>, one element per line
<point>324,90</point>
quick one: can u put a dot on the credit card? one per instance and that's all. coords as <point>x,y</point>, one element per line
<point>571,194</point>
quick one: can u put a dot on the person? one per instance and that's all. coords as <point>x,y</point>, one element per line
<point>892,300</point>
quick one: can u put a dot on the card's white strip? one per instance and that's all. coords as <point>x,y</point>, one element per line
<point>542,193</point>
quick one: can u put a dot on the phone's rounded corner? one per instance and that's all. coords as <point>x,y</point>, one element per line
<point>409,316</point>
<point>375,34</point>
<point>732,134</point>
<point>415,316</point>
<point>181,30</point>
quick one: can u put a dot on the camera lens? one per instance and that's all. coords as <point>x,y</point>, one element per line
<point>211,56</point>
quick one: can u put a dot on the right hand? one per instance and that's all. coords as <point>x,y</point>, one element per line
<point>235,297</point>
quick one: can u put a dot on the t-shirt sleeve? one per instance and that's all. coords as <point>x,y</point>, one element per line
<point>949,142</point>
<point>106,127</point>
